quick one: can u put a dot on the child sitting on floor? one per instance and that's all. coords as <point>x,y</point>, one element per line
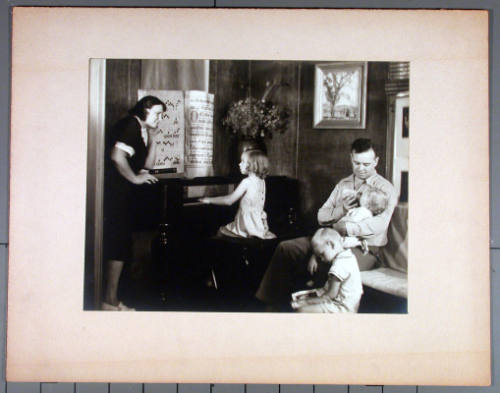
<point>343,289</point>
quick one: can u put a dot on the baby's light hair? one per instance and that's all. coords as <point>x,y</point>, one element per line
<point>377,200</point>
<point>258,163</point>
<point>324,234</point>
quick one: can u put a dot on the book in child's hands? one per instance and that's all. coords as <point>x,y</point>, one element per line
<point>300,298</point>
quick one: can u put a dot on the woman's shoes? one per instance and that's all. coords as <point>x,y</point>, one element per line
<point>121,307</point>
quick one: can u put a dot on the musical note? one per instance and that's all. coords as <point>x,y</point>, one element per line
<point>169,103</point>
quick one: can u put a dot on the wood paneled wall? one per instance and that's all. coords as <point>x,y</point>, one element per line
<point>282,148</point>
<point>123,79</point>
<point>229,82</point>
<point>323,154</point>
<point>319,158</point>
<point>233,80</point>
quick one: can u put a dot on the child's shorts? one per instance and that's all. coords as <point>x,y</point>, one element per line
<point>325,307</point>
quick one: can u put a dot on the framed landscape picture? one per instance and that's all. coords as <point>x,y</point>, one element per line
<point>340,95</point>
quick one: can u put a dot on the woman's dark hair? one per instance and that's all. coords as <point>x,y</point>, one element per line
<point>143,104</point>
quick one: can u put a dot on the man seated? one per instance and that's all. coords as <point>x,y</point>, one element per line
<point>289,266</point>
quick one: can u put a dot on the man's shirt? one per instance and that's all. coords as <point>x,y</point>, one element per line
<point>373,229</point>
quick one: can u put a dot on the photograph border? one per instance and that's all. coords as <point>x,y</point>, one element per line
<point>484,305</point>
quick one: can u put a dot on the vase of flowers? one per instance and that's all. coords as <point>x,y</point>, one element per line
<point>251,121</point>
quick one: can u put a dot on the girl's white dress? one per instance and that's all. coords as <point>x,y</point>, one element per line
<point>251,219</point>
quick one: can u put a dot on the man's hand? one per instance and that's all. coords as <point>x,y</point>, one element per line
<point>341,228</point>
<point>349,201</point>
<point>312,265</point>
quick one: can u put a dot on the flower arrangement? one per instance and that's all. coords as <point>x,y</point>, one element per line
<point>251,118</point>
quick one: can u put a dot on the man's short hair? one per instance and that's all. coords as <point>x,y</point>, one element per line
<point>361,145</point>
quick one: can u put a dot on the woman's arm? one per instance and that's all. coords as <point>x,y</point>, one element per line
<point>229,199</point>
<point>151,156</point>
<point>119,158</point>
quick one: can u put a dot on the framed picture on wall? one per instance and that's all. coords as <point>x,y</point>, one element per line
<point>340,95</point>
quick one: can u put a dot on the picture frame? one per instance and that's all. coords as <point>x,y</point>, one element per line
<point>340,95</point>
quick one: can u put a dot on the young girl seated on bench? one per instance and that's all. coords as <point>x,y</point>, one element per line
<point>251,219</point>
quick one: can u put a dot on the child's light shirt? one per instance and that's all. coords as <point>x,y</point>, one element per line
<point>345,269</point>
<point>251,219</point>
<point>357,215</point>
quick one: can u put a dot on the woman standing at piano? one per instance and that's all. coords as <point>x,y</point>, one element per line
<point>131,152</point>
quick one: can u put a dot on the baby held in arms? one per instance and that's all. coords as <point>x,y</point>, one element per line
<point>372,202</point>
<point>343,289</point>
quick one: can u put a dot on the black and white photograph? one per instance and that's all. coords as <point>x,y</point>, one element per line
<point>247,186</point>
<point>203,195</point>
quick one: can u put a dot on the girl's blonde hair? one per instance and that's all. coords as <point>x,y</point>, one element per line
<point>258,163</point>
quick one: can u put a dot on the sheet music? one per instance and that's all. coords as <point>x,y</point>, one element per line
<point>199,135</point>
<point>170,146</point>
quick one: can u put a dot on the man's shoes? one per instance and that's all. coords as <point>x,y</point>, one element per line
<point>121,307</point>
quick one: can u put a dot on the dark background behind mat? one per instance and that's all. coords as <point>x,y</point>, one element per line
<point>45,387</point>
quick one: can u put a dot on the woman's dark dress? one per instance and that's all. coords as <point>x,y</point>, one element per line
<point>119,192</point>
